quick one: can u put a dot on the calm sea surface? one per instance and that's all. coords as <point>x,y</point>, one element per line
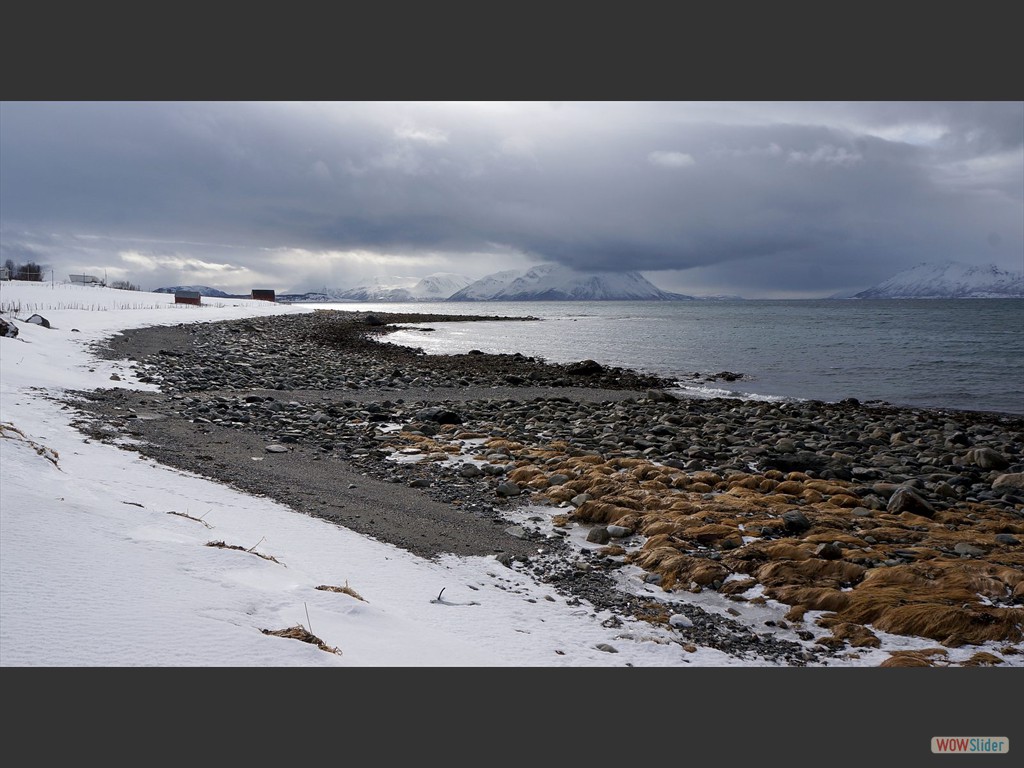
<point>961,354</point>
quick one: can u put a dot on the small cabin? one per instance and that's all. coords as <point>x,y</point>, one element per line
<point>263,295</point>
<point>85,280</point>
<point>188,297</point>
<point>5,273</point>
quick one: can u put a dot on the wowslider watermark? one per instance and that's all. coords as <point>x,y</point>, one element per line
<point>974,745</point>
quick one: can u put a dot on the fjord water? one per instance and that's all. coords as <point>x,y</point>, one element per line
<point>965,354</point>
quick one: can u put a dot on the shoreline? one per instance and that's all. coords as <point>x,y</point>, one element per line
<point>878,374</point>
<point>824,507</point>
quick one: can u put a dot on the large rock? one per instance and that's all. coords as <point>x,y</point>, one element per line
<point>585,368</point>
<point>507,490</point>
<point>39,320</point>
<point>598,535</point>
<point>439,415</point>
<point>785,445</point>
<point>10,330</point>
<point>987,458</point>
<point>964,549</point>
<point>660,396</point>
<point>795,521</point>
<point>828,551</point>
<point>1012,480</point>
<point>801,461</point>
<point>904,499</point>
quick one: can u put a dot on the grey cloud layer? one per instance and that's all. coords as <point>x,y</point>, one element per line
<point>857,190</point>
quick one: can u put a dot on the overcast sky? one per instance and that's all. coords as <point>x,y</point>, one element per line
<point>762,200</point>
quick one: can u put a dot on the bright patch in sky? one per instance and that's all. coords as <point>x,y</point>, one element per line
<point>670,159</point>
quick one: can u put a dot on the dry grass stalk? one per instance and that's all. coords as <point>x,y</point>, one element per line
<point>856,635</point>
<point>299,632</point>
<point>222,545</point>
<point>953,625</point>
<point>907,660</point>
<point>983,659</point>
<point>49,454</point>
<point>346,589</point>
<point>182,514</point>
<point>810,598</point>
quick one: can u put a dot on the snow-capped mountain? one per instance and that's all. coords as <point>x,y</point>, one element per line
<point>948,280</point>
<point>435,287</point>
<point>439,286</point>
<point>375,289</point>
<point>202,290</point>
<point>553,282</point>
<point>486,287</point>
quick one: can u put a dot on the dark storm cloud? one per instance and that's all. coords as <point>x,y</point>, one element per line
<point>812,192</point>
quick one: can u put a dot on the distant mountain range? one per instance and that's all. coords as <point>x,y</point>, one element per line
<point>948,280</point>
<point>436,287</point>
<point>202,290</point>
<point>551,282</point>
<point>545,282</point>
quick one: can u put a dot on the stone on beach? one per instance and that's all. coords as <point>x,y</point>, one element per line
<point>1010,481</point>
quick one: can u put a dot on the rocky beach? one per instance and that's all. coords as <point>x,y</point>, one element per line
<point>864,521</point>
